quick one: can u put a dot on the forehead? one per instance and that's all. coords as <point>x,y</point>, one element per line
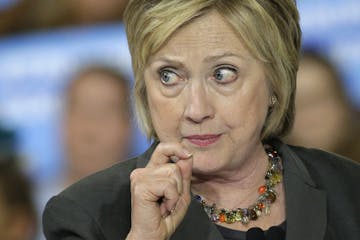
<point>207,34</point>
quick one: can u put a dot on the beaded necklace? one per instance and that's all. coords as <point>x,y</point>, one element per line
<point>267,196</point>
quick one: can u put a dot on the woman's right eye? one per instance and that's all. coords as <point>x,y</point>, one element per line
<point>168,77</point>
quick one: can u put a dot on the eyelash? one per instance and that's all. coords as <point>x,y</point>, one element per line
<point>231,68</point>
<point>166,70</point>
<point>170,70</point>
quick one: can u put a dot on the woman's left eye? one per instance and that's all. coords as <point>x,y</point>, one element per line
<point>225,75</point>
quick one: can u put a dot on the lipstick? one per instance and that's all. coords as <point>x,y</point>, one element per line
<point>203,140</point>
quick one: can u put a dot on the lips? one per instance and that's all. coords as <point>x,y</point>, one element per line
<point>203,140</point>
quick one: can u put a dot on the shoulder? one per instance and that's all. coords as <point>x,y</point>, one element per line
<point>96,207</point>
<point>334,174</point>
<point>106,184</point>
<point>93,206</point>
<point>337,178</point>
<point>327,165</point>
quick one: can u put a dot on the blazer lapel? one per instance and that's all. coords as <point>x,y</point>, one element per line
<point>305,204</point>
<point>196,225</point>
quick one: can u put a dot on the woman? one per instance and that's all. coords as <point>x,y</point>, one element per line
<point>215,84</point>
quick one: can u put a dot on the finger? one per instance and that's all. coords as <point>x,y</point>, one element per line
<point>178,212</point>
<point>170,170</point>
<point>165,151</point>
<point>185,167</point>
<point>169,201</point>
<point>145,194</point>
<point>149,189</point>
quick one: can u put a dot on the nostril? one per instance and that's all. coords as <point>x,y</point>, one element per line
<point>198,118</point>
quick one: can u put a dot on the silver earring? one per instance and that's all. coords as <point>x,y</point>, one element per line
<point>273,100</point>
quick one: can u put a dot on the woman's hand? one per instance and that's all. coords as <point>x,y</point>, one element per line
<point>160,193</point>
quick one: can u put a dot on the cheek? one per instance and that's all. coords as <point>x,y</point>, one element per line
<point>165,114</point>
<point>246,109</point>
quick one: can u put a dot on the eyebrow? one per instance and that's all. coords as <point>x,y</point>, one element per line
<point>212,58</point>
<point>168,60</point>
<point>225,54</point>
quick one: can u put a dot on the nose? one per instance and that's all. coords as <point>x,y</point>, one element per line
<point>198,107</point>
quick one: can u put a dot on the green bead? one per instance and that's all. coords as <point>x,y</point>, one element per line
<point>267,209</point>
<point>275,178</point>
<point>230,217</point>
<point>238,216</point>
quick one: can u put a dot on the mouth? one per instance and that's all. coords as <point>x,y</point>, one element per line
<point>203,140</point>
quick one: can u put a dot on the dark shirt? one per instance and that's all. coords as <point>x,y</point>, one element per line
<point>230,234</point>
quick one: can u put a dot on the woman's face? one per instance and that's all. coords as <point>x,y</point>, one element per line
<point>206,91</point>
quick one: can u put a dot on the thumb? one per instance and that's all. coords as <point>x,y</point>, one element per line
<point>186,166</point>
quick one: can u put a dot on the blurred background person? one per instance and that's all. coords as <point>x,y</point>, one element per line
<point>96,128</point>
<point>324,109</point>
<point>97,121</point>
<point>17,212</point>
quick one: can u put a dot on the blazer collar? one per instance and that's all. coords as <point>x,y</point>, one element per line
<point>305,204</point>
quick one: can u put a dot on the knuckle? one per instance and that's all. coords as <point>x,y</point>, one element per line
<point>167,147</point>
<point>161,147</point>
<point>136,174</point>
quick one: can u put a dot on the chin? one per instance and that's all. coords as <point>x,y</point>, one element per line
<point>204,164</point>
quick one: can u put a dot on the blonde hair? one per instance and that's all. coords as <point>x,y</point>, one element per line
<point>269,29</point>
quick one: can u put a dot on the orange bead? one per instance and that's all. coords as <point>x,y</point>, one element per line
<point>261,205</point>
<point>222,217</point>
<point>262,189</point>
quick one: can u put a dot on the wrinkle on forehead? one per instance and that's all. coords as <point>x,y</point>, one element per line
<point>210,31</point>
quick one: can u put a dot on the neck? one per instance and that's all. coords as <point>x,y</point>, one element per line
<point>237,187</point>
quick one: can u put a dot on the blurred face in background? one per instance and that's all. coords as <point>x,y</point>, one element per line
<point>321,115</point>
<point>97,124</point>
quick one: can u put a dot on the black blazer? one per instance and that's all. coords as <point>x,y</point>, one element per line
<point>321,189</point>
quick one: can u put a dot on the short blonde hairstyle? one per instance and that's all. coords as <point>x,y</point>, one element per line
<point>269,28</point>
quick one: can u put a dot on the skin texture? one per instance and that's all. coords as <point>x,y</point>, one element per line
<point>203,81</point>
<point>97,127</point>
<point>198,104</point>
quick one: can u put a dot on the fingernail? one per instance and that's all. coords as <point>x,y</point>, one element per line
<point>166,214</point>
<point>174,158</point>
<point>187,153</point>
